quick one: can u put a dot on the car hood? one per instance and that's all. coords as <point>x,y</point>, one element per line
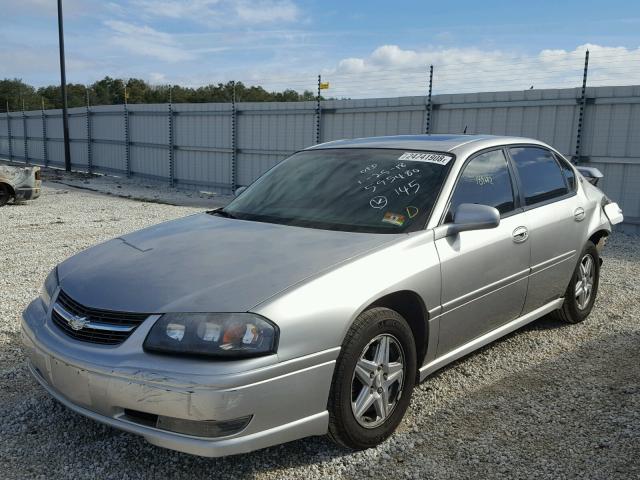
<point>205,263</point>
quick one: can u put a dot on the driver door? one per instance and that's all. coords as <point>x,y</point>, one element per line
<point>484,272</point>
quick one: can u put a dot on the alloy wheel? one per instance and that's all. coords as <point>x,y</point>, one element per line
<point>585,277</point>
<point>376,386</point>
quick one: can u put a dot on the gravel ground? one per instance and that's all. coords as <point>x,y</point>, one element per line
<point>136,188</point>
<point>549,401</point>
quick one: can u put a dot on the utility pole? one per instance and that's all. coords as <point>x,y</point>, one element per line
<point>63,85</point>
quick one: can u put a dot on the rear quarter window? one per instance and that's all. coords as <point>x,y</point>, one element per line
<point>568,172</point>
<point>540,174</point>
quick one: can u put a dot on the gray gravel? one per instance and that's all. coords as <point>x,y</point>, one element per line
<point>136,188</point>
<point>549,401</point>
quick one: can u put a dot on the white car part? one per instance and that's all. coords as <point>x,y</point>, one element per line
<point>613,213</point>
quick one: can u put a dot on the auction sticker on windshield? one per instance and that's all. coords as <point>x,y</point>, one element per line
<point>393,218</point>
<point>426,157</point>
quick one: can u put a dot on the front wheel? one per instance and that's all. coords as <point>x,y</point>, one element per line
<point>583,287</point>
<point>373,381</point>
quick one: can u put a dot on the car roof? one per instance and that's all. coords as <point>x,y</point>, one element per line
<point>439,143</point>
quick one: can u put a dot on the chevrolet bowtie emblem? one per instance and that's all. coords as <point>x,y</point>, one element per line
<point>78,323</point>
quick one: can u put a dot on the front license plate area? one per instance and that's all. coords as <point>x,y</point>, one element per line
<point>71,382</point>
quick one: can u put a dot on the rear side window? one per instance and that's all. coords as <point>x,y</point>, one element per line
<point>539,173</point>
<point>485,180</point>
<point>567,171</point>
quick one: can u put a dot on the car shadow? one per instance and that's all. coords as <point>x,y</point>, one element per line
<point>548,322</point>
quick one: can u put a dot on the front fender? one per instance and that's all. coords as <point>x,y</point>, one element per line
<point>317,314</point>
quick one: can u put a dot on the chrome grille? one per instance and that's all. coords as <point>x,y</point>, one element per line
<point>95,326</point>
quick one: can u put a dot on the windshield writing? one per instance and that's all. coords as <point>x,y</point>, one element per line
<point>373,190</point>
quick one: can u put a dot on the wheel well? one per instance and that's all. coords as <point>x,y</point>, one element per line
<point>596,237</point>
<point>411,307</point>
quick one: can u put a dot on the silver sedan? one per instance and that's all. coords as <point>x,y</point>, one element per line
<point>316,300</point>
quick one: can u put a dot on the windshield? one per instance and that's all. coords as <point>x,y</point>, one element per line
<point>359,190</point>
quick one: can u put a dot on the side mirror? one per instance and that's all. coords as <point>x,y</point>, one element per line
<point>470,216</point>
<point>591,174</point>
<point>239,191</point>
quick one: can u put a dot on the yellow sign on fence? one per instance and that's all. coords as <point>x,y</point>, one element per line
<point>324,85</point>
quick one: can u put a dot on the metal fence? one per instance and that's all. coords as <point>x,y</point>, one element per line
<point>222,146</point>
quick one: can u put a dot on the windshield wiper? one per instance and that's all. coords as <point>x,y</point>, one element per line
<point>222,213</point>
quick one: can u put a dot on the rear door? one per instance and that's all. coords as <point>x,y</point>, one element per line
<point>555,219</point>
<point>484,272</point>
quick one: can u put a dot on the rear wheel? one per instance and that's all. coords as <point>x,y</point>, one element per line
<point>374,377</point>
<point>583,287</point>
<point>5,194</point>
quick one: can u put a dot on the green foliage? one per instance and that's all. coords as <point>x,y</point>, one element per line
<point>14,91</point>
<point>111,91</point>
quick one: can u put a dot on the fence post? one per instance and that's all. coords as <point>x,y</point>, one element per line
<point>45,154</point>
<point>234,141</point>
<point>89,150</point>
<point>171,147</point>
<point>25,139</point>
<point>127,143</point>
<point>583,102</point>
<point>9,133</point>
<point>318,111</point>
<point>427,127</point>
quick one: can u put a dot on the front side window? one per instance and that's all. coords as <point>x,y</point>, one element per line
<point>540,174</point>
<point>485,180</point>
<point>351,189</point>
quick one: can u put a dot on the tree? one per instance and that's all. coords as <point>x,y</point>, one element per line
<point>14,91</point>
<point>111,91</point>
<point>137,90</point>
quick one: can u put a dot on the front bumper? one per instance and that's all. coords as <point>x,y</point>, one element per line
<point>287,400</point>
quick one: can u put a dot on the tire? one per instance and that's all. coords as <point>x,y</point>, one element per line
<point>5,194</point>
<point>576,308</point>
<point>362,346</point>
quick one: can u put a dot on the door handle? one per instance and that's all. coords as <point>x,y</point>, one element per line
<point>578,214</point>
<point>520,234</point>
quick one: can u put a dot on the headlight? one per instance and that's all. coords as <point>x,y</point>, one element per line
<point>49,287</point>
<point>213,334</point>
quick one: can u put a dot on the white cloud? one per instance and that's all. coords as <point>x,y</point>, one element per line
<point>41,64</point>
<point>352,65</point>
<point>391,70</point>
<point>178,9</point>
<point>392,55</point>
<point>156,77</point>
<point>146,41</point>
<point>223,12</point>
<point>49,7</point>
<point>267,11</point>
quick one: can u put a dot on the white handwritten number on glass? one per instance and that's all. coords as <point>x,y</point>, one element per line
<point>410,188</point>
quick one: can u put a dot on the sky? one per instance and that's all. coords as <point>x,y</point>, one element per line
<point>362,48</point>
